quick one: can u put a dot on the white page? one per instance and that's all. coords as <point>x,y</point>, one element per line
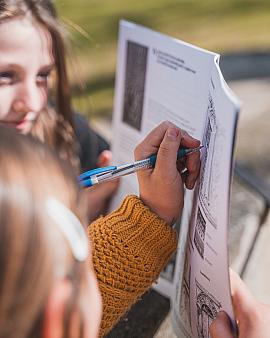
<point>178,95</point>
<point>159,78</point>
<point>175,77</point>
<point>204,275</point>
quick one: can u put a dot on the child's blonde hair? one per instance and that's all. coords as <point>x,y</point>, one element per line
<point>29,239</point>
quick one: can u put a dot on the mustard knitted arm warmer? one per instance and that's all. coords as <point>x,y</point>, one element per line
<point>130,248</point>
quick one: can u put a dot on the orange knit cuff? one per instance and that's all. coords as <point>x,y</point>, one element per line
<point>130,248</point>
<point>140,230</point>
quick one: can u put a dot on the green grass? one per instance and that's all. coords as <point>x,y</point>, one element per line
<point>219,25</point>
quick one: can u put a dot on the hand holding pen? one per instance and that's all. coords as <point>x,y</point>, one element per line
<point>161,188</point>
<point>102,174</point>
<point>160,149</point>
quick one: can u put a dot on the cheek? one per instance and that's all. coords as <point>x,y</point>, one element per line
<point>6,99</point>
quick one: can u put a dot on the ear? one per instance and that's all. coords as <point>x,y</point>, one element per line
<point>55,309</point>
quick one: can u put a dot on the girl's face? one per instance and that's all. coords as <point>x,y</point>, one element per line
<point>26,62</point>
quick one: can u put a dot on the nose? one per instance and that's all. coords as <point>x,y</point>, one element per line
<point>30,97</point>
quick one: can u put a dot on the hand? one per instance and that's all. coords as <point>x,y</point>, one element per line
<point>253,317</point>
<point>104,159</point>
<point>161,188</point>
<point>99,195</point>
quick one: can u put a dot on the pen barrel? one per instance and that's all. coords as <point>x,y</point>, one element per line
<point>153,159</point>
<point>86,183</point>
<point>99,175</point>
<point>180,154</point>
<point>143,164</point>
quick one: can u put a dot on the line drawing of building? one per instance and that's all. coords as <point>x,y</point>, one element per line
<point>207,310</point>
<point>199,233</point>
<point>207,180</point>
<point>184,306</point>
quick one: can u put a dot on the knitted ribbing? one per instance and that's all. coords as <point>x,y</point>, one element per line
<point>130,248</point>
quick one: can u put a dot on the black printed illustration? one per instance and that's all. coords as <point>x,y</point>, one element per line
<point>199,234</point>
<point>208,181</point>
<point>207,310</point>
<point>136,64</point>
<point>184,306</point>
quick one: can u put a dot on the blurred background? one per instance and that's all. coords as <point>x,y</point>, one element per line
<point>223,26</point>
<point>239,30</point>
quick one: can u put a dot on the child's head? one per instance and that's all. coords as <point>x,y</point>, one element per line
<point>45,284</point>
<point>31,49</point>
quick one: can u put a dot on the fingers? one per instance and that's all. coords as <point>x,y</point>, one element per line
<point>152,141</point>
<point>188,141</point>
<point>221,326</point>
<point>252,316</point>
<point>165,140</point>
<point>193,168</point>
<point>167,152</point>
<point>192,160</point>
<point>243,300</point>
<point>104,158</point>
<point>189,167</point>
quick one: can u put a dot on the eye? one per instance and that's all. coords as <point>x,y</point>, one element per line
<point>43,77</point>
<point>7,77</point>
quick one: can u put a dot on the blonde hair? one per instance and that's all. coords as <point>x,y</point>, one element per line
<point>54,126</point>
<point>29,173</point>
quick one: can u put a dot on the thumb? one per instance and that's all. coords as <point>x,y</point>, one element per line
<point>243,300</point>
<point>167,152</point>
<point>221,326</point>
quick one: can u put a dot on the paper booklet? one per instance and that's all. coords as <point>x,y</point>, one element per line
<point>160,78</point>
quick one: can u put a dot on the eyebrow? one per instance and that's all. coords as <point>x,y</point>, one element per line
<point>8,65</point>
<point>48,67</point>
<point>14,66</point>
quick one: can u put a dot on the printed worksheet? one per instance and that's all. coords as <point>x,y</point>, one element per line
<point>160,78</point>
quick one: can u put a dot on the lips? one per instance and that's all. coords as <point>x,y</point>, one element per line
<point>22,123</point>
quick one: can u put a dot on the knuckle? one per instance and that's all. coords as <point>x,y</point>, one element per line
<point>167,124</point>
<point>163,150</point>
<point>184,134</point>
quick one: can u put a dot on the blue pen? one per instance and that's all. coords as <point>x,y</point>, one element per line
<point>98,175</point>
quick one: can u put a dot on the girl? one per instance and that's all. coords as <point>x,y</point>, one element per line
<point>46,286</point>
<point>35,93</point>
<point>47,289</point>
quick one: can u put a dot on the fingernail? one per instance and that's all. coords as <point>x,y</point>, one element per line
<point>173,132</point>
